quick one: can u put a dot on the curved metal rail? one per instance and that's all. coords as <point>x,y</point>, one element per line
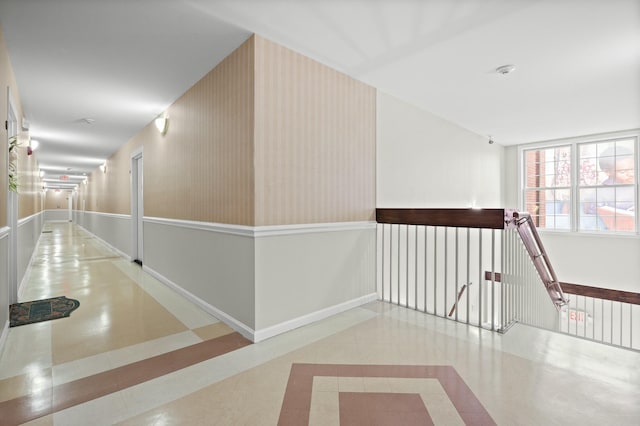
<point>523,223</point>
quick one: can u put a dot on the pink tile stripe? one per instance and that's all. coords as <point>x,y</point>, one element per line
<point>297,399</point>
<point>23,409</point>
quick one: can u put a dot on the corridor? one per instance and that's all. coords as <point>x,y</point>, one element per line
<point>137,353</point>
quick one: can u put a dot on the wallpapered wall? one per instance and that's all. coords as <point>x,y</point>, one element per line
<point>314,142</point>
<point>267,137</point>
<point>202,168</point>
<point>7,79</point>
<point>57,200</point>
<point>29,184</point>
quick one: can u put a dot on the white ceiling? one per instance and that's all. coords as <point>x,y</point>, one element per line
<point>123,62</point>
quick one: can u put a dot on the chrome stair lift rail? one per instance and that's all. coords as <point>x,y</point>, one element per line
<point>523,223</point>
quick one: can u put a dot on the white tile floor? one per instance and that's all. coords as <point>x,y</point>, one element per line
<point>525,377</point>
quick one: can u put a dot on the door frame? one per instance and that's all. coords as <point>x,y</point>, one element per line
<point>12,206</point>
<point>137,206</point>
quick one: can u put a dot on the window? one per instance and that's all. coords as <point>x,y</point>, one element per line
<point>548,186</point>
<point>584,185</point>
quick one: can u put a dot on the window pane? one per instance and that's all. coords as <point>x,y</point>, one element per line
<point>607,208</point>
<point>549,167</point>
<point>607,163</point>
<point>550,208</point>
<point>609,167</point>
<point>548,180</point>
<point>533,200</point>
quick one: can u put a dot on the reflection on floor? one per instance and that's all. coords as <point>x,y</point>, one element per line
<point>137,353</point>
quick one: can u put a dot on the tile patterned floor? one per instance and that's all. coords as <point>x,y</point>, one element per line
<point>136,353</point>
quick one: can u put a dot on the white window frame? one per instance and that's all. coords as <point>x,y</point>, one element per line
<point>574,142</point>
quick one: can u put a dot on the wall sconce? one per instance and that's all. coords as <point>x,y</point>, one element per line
<point>162,123</point>
<point>41,173</point>
<point>33,145</point>
<point>103,167</point>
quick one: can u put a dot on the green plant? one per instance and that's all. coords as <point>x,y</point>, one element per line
<point>13,166</point>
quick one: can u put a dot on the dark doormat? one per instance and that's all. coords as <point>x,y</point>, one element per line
<point>41,310</point>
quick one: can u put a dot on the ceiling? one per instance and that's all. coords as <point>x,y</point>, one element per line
<point>121,63</point>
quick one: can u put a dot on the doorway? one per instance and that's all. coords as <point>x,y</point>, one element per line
<point>12,208</point>
<point>137,207</point>
<point>70,205</point>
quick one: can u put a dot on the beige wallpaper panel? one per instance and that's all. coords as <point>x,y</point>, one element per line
<point>110,191</point>
<point>29,184</point>
<point>57,200</point>
<point>202,169</point>
<point>314,141</point>
<point>267,137</point>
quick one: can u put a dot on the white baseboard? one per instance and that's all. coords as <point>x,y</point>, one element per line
<point>312,317</point>
<point>238,326</point>
<point>260,335</point>
<point>27,273</point>
<point>117,250</point>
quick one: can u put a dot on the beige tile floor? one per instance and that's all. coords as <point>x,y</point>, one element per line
<point>525,377</point>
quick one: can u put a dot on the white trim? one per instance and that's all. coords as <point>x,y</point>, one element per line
<point>245,231</point>
<point>137,243</point>
<point>115,215</point>
<point>285,326</point>
<point>120,252</point>
<point>579,139</point>
<point>4,232</point>
<point>588,234</point>
<point>310,228</point>
<point>4,335</point>
<point>263,231</point>
<point>28,219</point>
<point>240,327</point>
<point>137,152</point>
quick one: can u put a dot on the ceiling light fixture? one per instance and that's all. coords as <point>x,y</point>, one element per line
<point>506,69</point>
<point>162,123</point>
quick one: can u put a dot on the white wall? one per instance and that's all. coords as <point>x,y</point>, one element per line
<point>114,229</point>
<point>600,261</point>
<point>214,263</point>
<point>511,178</point>
<point>56,215</point>
<point>583,258</point>
<point>313,271</point>
<point>266,280</point>
<point>29,230</point>
<point>426,161</point>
